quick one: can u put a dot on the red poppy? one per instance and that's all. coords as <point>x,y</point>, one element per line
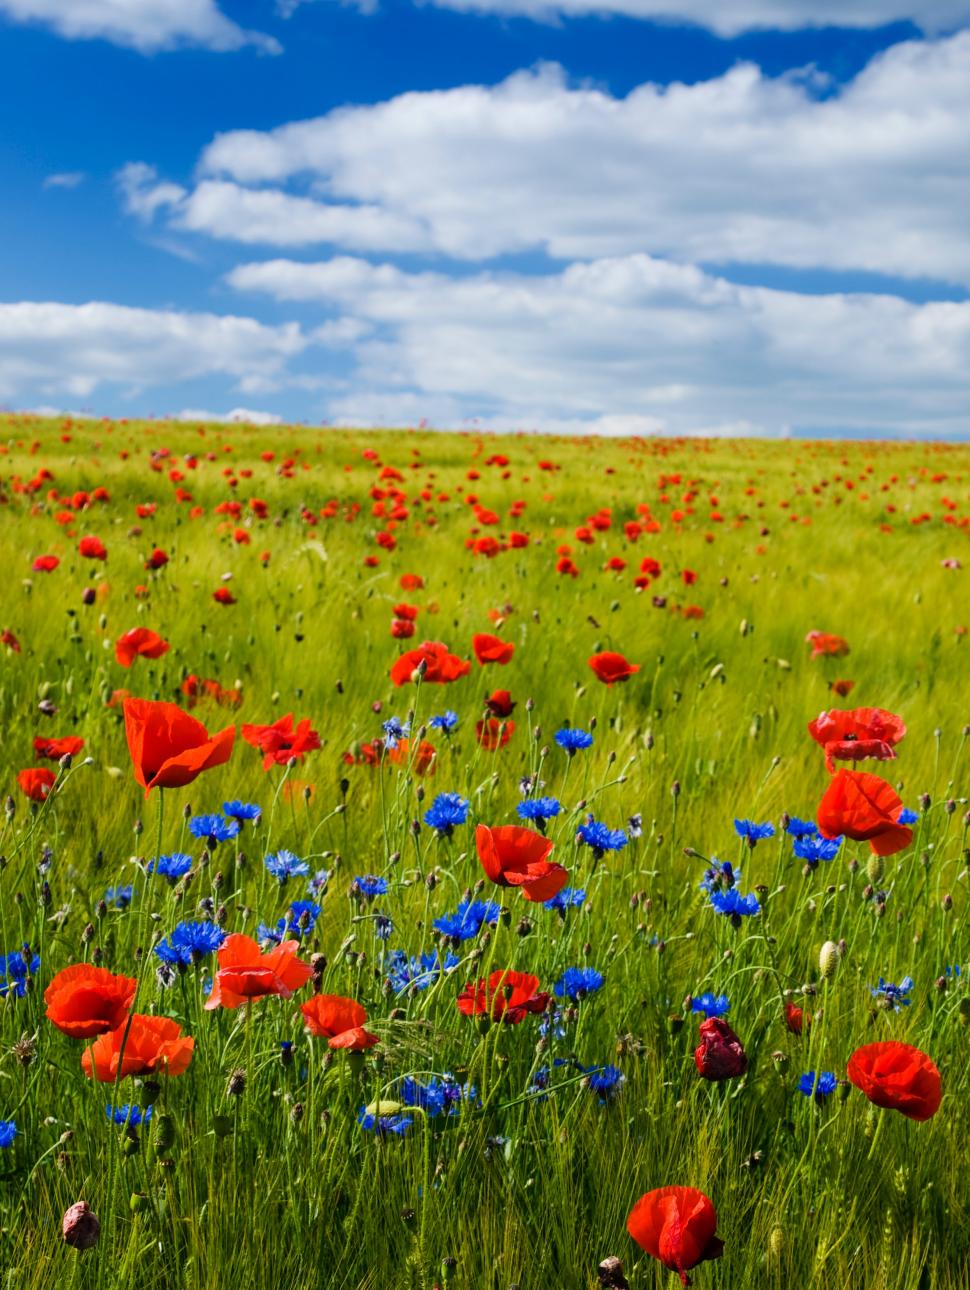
<point>281,741</point>
<point>9,639</point>
<point>610,667</point>
<point>796,1019</point>
<point>402,629</point>
<point>517,857</point>
<point>490,649</point>
<point>441,667</point>
<point>421,760</point>
<point>46,564</point>
<point>223,596</point>
<point>139,641</point>
<point>83,1000</point>
<point>339,1020</point>
<point>36,783</point>
<point>865,808</point>
<point>245,972</point>
<point>493,734</point>
<point>719,1054</point>
<point>55,749</point>
<point>168,747</point>
<point>676,1225</point>
<point>842,688</point>
<point>825,645</point>
<point>500,703</point>
<point>92,548</point>
<point>367,754</point>
<point>157,559</point>
<point>897,1076</point>
<point>411,582</point>
<point>857,734</point>
<point>506,996</point>
<point>148,1046</point>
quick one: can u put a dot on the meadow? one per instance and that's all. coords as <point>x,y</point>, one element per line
<point>476,1137</point>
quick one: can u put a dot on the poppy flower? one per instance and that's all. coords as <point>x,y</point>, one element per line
<point>245,972</point>
<point>139,641</point>
<point>411,582</point>
<point>865,808</point>
<point>149,1046</point>
<point>825,645</point>
<point>55,749</point>
<point>441,667</point>
<point>339,1020</point>
<point>84,1001</point>
<point>897,1076</point>
<point>610,667</point>
<point>676,1225</point>
<point>500,703</point>
<point>507,996</point>
<point>168,747</point>
<point>491,649</point>
<point>223,596</point>
<point>9,639</point>
<point>282,741</point>
<point>92,548</point>
<point>402,628</point>
<point>157,560</point>
<point>421,760</point>
<point>493,734</point>
<point>796,1019</point>
<point>46,564</point>
<point>857,734</point>
<point>517,857</point>
<point>719,1054</point>
<point>36,783</point>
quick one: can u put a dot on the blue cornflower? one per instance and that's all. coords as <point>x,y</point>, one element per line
<point>284,864</point>
<point>127,1114</point>
<point>565,899</point>
<point>797,828</point>
<point>417,973</point>
<point>237,810</point>
<point>172,867</point>
<point>395,730</point>
<point>15,968</point>
<point>906,816</point>
<point>440,1096</point>
<point>213,828</point>
<point>369,886</point>
<point>732,903</point>
<point>299,921</point>
<point>753,833</point>
<point>318,882</point>
<point>955,971</point>
<point>719,874</point>
<point>820,1089</point>
<point>119,896</point>
<point>814,849</point>
<point>445,812</point>
<point>601,838</point>
<point>577,983</point>
<point>445,721</point>
<point>712,1005</point>
<point>467,921</point>
<point>893,996</point>
<point>606,1081</point>
<point>383,927</point>
<point>189,943</point>
<point>551,1023</point>
<point>382,1125</point>
<point>8,1131</point>
<point>572,739</point>
<point>539,809</point>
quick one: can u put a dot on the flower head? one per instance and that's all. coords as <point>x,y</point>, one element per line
<point>817,1086</point>
<point>446,812</point>
<point>284,864</point>
<point>468,920</point>
<point>753,833</point>
<point>600,838</point>
<point>893,996</point>
<point>576,983</point>
<point>213,828</point>
<point>676,1225</point>
<point>573,739</point>
<point>168,748</point>
<point>189,943</point>
<point>897,1076</point>
<point>710,1005</point>
<point>172,866</point>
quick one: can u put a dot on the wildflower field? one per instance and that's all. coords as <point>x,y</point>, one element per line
<point>482,862</point>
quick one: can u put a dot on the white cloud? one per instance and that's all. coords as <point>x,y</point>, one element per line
<point>65,179</point>
<point>238,416</point>
<point>741,168</point>
<point>145,25</point>
<point>634,341</point>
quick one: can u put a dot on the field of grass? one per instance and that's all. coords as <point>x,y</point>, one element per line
<point>268,1178</point>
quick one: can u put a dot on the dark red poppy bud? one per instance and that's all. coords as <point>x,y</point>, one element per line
<point>719,1054</point>
<point>80,1227</point>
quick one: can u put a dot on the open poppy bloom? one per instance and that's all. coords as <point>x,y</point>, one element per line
<point>441,667</point>
<point>857,734</point>
<point>339,1020</point>
<point>676,1225</point>
<point>245,972</point>
<point>36,783</point>
<point>517,857</point>
<point>83,1000</point>
<point>421,760</point>
<point>506,996</point>
<point>168,747</point>
<point>825,645</point>
<point>493,734</point>
<point>46,564</point>
<point>491,649</point>
<point>610,668</point>
<point>500,703</point>
<point>282,741</point>
<point>153,1046</point>
<point>719,1054</point>
<point>139,641</point>
<point>92,548</point>
<point>863,807</point>
<point>55,749</point>
<point>897,1076</point>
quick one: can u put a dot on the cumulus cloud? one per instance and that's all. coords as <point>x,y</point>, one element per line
<point>634,341</point>
<point>145,25</point>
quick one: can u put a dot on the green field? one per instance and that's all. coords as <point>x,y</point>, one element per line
<point>530,1180</point>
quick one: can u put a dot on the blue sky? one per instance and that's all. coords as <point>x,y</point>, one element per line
<point>672,217</point>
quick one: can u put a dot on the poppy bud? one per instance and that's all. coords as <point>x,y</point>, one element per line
<point>963,1011</point>
<point>875,868</point>
<point>947,901</point>
<point>924,801</point>
<point>719,1054</point>
<point>222,1125</point>
<point>777,1243</point>
<point>828,960</point>
<point>138,1202</point>
<point>163,1133</point>
<point>80,1227</point>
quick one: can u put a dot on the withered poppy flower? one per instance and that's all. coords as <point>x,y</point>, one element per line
<point>168,747</point>
<point>610,667</point>
<point>865,808</point>
<point>139,641</point>
<point>36,783</point>
<point>281,741</point>
<point>507,996</point>
<point>421,760</point>
<point>55,749</point>
<point>491,649</point>
<point>441,667</point>
<point>493,734</point>
<point>339,1020</point>
<point>676,1225</point>
<point>500,703</point>
<point>83,1000</point>
<point>825,645</point>
<point>857,734</point>
<point>897,1076</point>
<point>516,857</point>
<point>152,1046</point>
<point>719,1054</point>
<point>245,972</point>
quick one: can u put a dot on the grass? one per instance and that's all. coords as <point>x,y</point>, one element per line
<point>280,1184</point>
